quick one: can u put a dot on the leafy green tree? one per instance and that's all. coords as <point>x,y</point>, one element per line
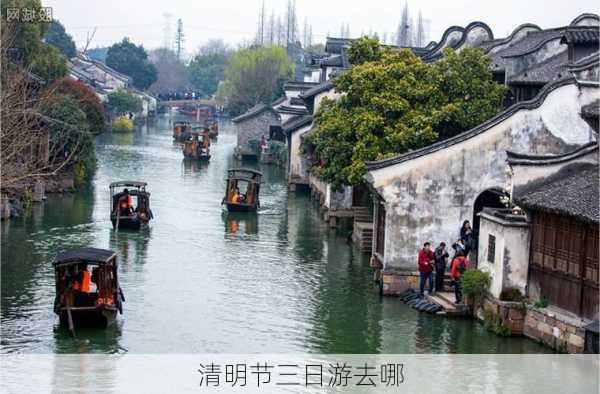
<point>59,38</point>
<point>49,63</point>
<point>207,68</point>
<point>98,53</point>
<point>132,60</point>
<point>255,75</point>
<point>123,102</point>
<point>69,132</point>
<point>88,101</point>
<point>396,103</point>
<point>27,37</point>
<point>364,50</point>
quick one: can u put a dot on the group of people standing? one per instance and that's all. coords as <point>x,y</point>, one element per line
<point>433,263</point>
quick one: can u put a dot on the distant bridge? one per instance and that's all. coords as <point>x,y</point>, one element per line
<point>188,103</point>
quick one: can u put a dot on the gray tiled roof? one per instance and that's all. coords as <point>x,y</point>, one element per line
<point>582,35</point>
<point>592,110</point>
<point>549,70</point>
<point>332,61</point>
<point>288,109</point>
<point>531,42</point>
<point>296,123</point>
<point>573,191</point>
<point>252,112</point>
<point>299,85</point>
<point>322,87</point>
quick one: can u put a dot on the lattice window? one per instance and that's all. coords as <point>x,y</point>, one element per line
<point>491,257</point>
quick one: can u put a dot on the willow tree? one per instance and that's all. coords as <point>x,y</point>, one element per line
<point>392,102</point>
<point>253,76</point>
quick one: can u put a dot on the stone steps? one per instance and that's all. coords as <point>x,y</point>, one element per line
<point>362,235</point>
<point>362,214</point>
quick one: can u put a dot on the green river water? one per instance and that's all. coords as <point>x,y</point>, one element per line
<point>201,281</point>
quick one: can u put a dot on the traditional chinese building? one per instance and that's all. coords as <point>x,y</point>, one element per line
<point>253,126</point>
<point>546,248</point>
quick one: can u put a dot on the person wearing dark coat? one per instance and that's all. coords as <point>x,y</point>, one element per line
<point>441,260</point>
<point>466,235</point>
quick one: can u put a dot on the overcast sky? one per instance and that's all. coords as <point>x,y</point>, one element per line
<point>234,21</point>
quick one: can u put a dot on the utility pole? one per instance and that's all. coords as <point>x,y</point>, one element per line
<point>179,38</point>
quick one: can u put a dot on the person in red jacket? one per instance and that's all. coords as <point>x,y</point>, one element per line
<point>459,265</point>
<point>425,261</point>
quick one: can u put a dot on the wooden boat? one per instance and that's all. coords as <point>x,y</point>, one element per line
<point>242,192</point>
<point>124,214</point>
<point>87,288</point>
<point>181,130</point>
<point>197,146</point>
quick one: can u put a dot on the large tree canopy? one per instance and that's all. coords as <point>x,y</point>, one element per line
<point>85,97</point>
<point>25,37</point>
<point>123,102</point>
<point>392,102</point>
<point>207,68</point>
<point>255,75</point>
<point>132,60</point>
<point>59,38</point>
<point>49,63</point>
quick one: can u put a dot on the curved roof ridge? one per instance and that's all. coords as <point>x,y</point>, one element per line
<point>465,135</point>
<point>472,26</point>
<point>442,42</point>
<point>254,111</point>
<point>524,158</point>
<point>516,30</point>
<point>321,87</point>
<point>558,32</point>
<point>585,62</point>
<point>580,17</point>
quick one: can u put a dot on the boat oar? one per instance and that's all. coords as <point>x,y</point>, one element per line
<point>70,319</point>
<point>118,218</point>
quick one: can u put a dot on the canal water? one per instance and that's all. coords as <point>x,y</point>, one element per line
<point>202,281</point>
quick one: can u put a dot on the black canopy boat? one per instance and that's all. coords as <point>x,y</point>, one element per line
<point>242,192</point>
<point>124,214</point>
<point>87,288</point>
<point>197,146</point>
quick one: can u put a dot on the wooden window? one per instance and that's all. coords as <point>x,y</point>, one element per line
<point>491,257</point>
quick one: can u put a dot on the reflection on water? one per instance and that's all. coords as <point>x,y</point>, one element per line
<point>243,223</point>
<point>201,280</point>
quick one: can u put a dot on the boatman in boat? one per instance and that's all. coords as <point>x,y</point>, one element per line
<point>125,203</point>
<point>236,196</point>
<point>82,284</point>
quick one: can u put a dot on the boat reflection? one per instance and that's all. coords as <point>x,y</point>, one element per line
<point>191,166</point>
<point>245,223</point>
